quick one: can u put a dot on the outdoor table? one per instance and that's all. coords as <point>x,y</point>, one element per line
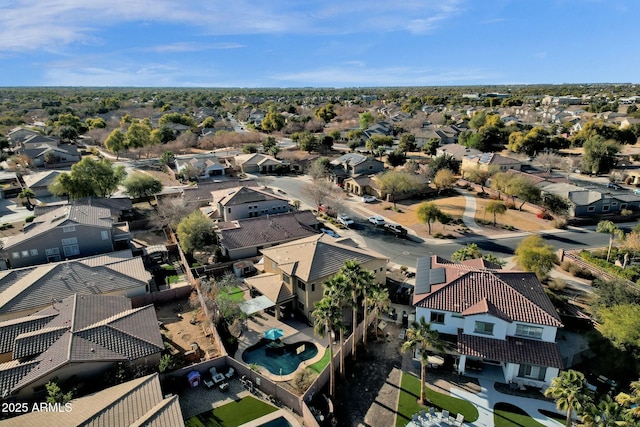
<point>218,378</point>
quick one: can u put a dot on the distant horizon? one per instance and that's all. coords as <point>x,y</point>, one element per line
<point>332,44</point>
<point>325,87</point>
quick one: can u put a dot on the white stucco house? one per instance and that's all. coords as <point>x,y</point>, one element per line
<point>494,318</point>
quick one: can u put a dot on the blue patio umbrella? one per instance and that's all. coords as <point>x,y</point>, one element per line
<point>273,333</point>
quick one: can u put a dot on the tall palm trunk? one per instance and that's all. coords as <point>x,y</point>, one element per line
<point>422,373</point>
<point>366,323</point>
<point>569,423</point>
<point>342,353</point>
<point>332,380</point>
<point>610,245</point>
<point>354,335</point>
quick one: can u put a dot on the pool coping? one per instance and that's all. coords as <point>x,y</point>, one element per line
<point>303,365</point>
<point>272,416</point>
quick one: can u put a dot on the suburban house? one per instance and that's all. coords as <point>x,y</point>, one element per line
<point>199,195</point>
<point>457,151</point>
<point>80,336</point>
<point>353,164</point>
<point>295,272</point>
<point>499,321</point>
<point>484,161</point>
<point>244,238</point>
<point>39,182</point>
<point>204,165</point>
<point>380,128</point>
<point>64,233</point>
<point>24,291</point>
<point>244,202</point>
<point>256,163</point>
<point>9,185</point>
<point>19,134</point>
<point>361,185</point>
<point>121,208</point>
<point>139,402</point>
<point>48,154</point>
<point>585,202</point>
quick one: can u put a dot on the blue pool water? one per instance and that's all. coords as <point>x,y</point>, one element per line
<point>277,422</point>
<point>283,360</point>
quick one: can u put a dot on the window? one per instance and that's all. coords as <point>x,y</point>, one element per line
<point>24,253</point>
<point>34,252</point>
<point>605,208</point>
<point>529,331</point>
<point>614,203</point>
<point>532,371</point>
<point>15,255</point>
<point>286,278</point>
<point>71,250</point>
<point>71,241</point>
<point>52,251</point>
<point>105,235</point>
<point>484,328</point>
<point>68,228</point>
<point>313,287</point>
<point>228,210</point>
<point>302,285</point>
<point>437,317</point>
<point>591,209</point>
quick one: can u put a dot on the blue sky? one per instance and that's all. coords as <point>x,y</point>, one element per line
<point>325,43</point>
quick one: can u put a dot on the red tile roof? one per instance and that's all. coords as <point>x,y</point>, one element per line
<point>511,350</point>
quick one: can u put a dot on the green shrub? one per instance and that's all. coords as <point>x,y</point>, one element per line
<point>438,236</point>
<point>388,208</point>
<point>626,212</point>
<point>557,284</point>
<point>560,223</point>
<point>29,218</point>
<point>629,273</point>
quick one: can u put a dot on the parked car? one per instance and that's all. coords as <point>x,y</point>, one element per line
<point>345,220</point>
<point>326,209</point>
<point>614,186</point>
<point>329,232</point>
<point>368,199</point>
<point>376,220</point>
<point>395,229</point>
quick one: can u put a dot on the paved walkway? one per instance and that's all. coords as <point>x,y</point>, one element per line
<point>489,396</point>
<point>469,216</point>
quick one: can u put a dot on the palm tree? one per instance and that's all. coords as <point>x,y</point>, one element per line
<point>358,280</point>
<point>606,414</point>
<point>27,193</point>
<point>428,212</point>
<point>496,207</point>
<point>421,337</point>
<point>337,289</point>
<point>325,316</point>
<point>613,231</point>
<point>471,251</point>
<point>631,401</point>
<point>569,390</point>
<point>378,300</point>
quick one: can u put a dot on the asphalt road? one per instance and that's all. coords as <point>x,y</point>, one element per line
<point>406,251</point>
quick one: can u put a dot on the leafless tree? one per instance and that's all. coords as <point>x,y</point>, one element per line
<point>550,161</point>
<point>170,212</point>
<point>319,191</point>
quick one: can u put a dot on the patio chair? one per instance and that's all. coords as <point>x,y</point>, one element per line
<point>423,414</point>
<point>213,371</point>
<point>444,416</point>
<point>459,420</point>
<point>432,411</point>
<point>209,384</point>
<point>231,373</point>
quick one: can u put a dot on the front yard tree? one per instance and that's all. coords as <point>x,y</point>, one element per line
<point>479,175</point>
<point>421,337</point>
<point>27,193</point>
<point>395,183</point>
<point>446,161</point>
<point>569,390</point>
<point>396,158</point>
<point>326,113</point>
<point>606,413</point>
<point>195,231</point>
<point>116,142</point>
<point>533,254</point>
<point>325,315</point>
<point>407,142</point>
<point>428,212</point>
<point>87,178</point>
<point>599,154</point>
<point>612,230</point>
<point>138,136</point>
<point>140,185</point>
<point>308,142</point>
<point>273,121</point>
<point>496,207</point>
<point>471,251</point>
<point>444,179</point>
<point>318,190</point>
<point>379,302</point>
<point>320,168</point>
<point>366,119</point>
<point>357,280</point>
<point>620,324</point>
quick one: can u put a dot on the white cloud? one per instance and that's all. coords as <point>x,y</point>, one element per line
<point>34,24</point>
<point>193,47</point>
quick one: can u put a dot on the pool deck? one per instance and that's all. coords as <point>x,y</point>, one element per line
<point>294,331</point>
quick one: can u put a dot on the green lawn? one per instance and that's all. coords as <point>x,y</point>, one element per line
<point>232,414</point>
<point>234,293</point>
<point>322,363</point>
<point>408,405</point>
<point>507,415</point>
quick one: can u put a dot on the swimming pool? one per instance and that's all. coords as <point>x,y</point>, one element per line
<point>279,358</point>
<point>277,422</point>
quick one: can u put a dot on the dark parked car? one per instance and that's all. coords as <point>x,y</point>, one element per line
<point>395,229</point>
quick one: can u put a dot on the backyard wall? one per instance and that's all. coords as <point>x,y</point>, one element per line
<point>161,297</point>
